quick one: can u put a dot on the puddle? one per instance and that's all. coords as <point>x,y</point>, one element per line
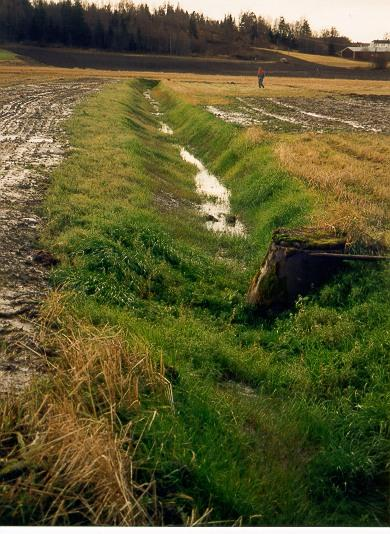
<point>242,389</point>
<point>353,113</point>
<point>8,138</point>
<point>282,118</point>
<point>353,124</point>
<point>155,105</point>
<point>37,139</point>
<point>217,206</point>
<point>166,129</point>
<point>234,117</point>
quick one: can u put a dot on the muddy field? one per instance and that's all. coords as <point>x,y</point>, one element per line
<point>68,57</point>
<point>31,143</point>
<point>349,113</point>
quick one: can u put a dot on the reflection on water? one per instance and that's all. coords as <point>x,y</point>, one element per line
<point>166,129</point>
<point>217,206</point>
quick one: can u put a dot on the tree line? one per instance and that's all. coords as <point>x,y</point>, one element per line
<point>165,30</point>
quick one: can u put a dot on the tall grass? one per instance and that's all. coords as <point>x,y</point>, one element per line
<point>351,173</point>
<point>66,456</point>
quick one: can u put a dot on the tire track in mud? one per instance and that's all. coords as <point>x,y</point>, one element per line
<point>31,143</point>
<point>356,113</point>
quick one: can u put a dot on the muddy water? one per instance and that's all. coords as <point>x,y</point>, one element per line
<point>353,124</point>
<point>155,105</point>
<point>245,116</point>
<point>31,143</point>
<point>234,117</point>
<point>217,204</point>
<point>256,109</point>
<point>166,129</point>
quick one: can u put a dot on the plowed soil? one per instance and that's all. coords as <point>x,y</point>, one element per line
<point>93,59</point>
<point>31,143</point>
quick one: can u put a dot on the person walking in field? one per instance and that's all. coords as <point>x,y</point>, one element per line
<point>260,76</point>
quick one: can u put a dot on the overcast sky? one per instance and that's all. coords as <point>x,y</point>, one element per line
<point>361,20</point>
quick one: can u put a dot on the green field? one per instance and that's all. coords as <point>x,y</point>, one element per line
<point>274,421</point>
<point>6,55</point>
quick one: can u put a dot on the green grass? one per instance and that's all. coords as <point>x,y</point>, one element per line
<point>276,422</point>
<point>6,55</point>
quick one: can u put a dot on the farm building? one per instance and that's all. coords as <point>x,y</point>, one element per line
<point>368,52</point>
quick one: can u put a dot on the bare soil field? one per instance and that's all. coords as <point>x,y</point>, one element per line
<point>31,143</point>
<point>359,113</point>
<point>71,58</point>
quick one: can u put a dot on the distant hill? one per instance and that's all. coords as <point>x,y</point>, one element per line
<point>165,30</point>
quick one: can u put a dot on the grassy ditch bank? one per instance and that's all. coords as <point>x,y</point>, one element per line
<point>191,411</point>
<point>6,55</point>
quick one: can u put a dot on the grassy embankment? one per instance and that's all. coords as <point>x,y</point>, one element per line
<point>6,55</point>
<point>8,58</point>
<point>274,422</point>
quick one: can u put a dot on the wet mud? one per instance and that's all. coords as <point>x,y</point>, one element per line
<point>32,142</point>
<point>355,113</point>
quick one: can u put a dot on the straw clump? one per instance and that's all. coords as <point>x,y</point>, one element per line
<point>69,443</point>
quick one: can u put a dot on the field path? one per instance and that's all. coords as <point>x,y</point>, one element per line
<point>31,143</point>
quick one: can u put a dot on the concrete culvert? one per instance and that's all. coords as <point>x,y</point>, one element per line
<point>288,271</point>
<point>299,261</point>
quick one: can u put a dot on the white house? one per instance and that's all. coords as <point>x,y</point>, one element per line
<point>368,51</point>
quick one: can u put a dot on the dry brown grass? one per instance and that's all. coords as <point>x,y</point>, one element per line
<point>254,135</point>
<point>326,61</point>
<point>221,90</point>
<point>15,74</point>
<point>72,461</point>
<point>204,88</point>
<point>352,173</point>
<point>18,74</point>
